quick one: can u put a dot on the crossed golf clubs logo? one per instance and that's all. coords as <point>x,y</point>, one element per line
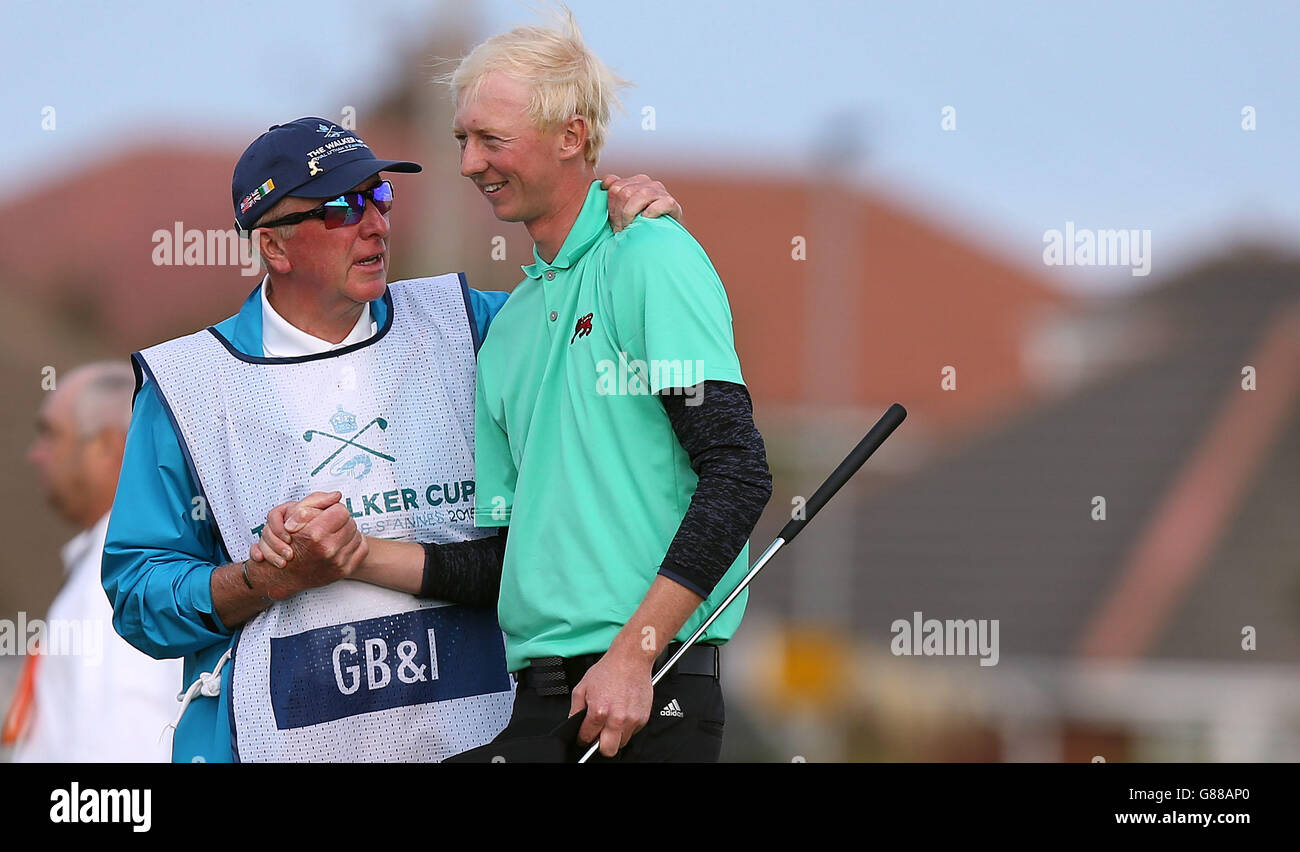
<point>348,442</point>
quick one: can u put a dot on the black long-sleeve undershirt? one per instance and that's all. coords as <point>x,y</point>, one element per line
<point>728,456</point>
<point>465,572</point>
<point>715,425</point>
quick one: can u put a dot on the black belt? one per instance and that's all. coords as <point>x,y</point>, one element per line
<point>558,675</point>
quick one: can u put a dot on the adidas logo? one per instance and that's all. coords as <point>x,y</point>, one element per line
<point>673,709</point>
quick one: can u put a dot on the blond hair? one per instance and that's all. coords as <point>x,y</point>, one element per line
<point>565,77</point>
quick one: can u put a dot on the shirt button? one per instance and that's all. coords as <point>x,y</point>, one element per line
<point>550,275</point>
<point>554,316</point>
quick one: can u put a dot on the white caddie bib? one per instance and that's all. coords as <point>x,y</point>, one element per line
<point>351,671</point>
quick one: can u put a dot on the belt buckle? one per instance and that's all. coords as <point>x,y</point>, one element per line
<point>715,659</point>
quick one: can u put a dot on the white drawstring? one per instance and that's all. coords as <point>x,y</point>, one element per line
<point>208,683</point>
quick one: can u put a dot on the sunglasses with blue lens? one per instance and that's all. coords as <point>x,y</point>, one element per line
<point>345,210</point>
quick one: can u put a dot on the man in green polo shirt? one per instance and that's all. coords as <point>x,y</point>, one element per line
<point>614,435</point>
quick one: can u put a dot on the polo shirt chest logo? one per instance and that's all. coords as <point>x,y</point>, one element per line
<point>582,328</point>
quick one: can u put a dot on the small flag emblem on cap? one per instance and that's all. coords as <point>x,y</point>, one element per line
<point>256,196</point>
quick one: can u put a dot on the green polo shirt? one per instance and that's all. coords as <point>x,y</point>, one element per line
<point>574,452</point>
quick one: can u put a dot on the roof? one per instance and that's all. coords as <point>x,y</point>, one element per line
<point>1004,529</point>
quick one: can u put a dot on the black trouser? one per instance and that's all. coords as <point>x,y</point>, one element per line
<point>695,736</point>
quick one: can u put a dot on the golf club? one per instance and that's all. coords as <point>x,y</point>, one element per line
<point>884,427</point>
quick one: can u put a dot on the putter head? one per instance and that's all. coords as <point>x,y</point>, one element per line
<point>558,746</point>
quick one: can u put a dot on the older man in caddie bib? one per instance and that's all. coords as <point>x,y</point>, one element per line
<point>328,380</point>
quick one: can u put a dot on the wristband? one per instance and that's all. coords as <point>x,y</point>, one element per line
<point>247,581</point>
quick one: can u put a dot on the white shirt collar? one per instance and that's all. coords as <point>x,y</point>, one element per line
<point>281,339</point>
<point>77,549</point>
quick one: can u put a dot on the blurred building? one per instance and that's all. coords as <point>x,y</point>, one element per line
<point>1166,629</point>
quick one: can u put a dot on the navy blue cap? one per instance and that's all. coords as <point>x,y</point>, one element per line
<point>308,158</point>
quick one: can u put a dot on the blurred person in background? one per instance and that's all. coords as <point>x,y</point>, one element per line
<point>106,702</point>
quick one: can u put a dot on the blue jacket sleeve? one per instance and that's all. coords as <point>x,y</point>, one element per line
<point>486,304</point>
<point>160,551</point>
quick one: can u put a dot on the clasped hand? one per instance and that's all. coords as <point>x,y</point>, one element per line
<point>312,542</point>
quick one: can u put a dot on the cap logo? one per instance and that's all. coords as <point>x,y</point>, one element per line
<point>344,145</point>
<point>330,131</point>
<point>256,195</point>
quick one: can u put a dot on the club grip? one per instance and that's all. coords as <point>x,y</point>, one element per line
<point>884,427</point>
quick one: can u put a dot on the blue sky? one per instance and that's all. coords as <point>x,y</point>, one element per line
<point>1109,115</point>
